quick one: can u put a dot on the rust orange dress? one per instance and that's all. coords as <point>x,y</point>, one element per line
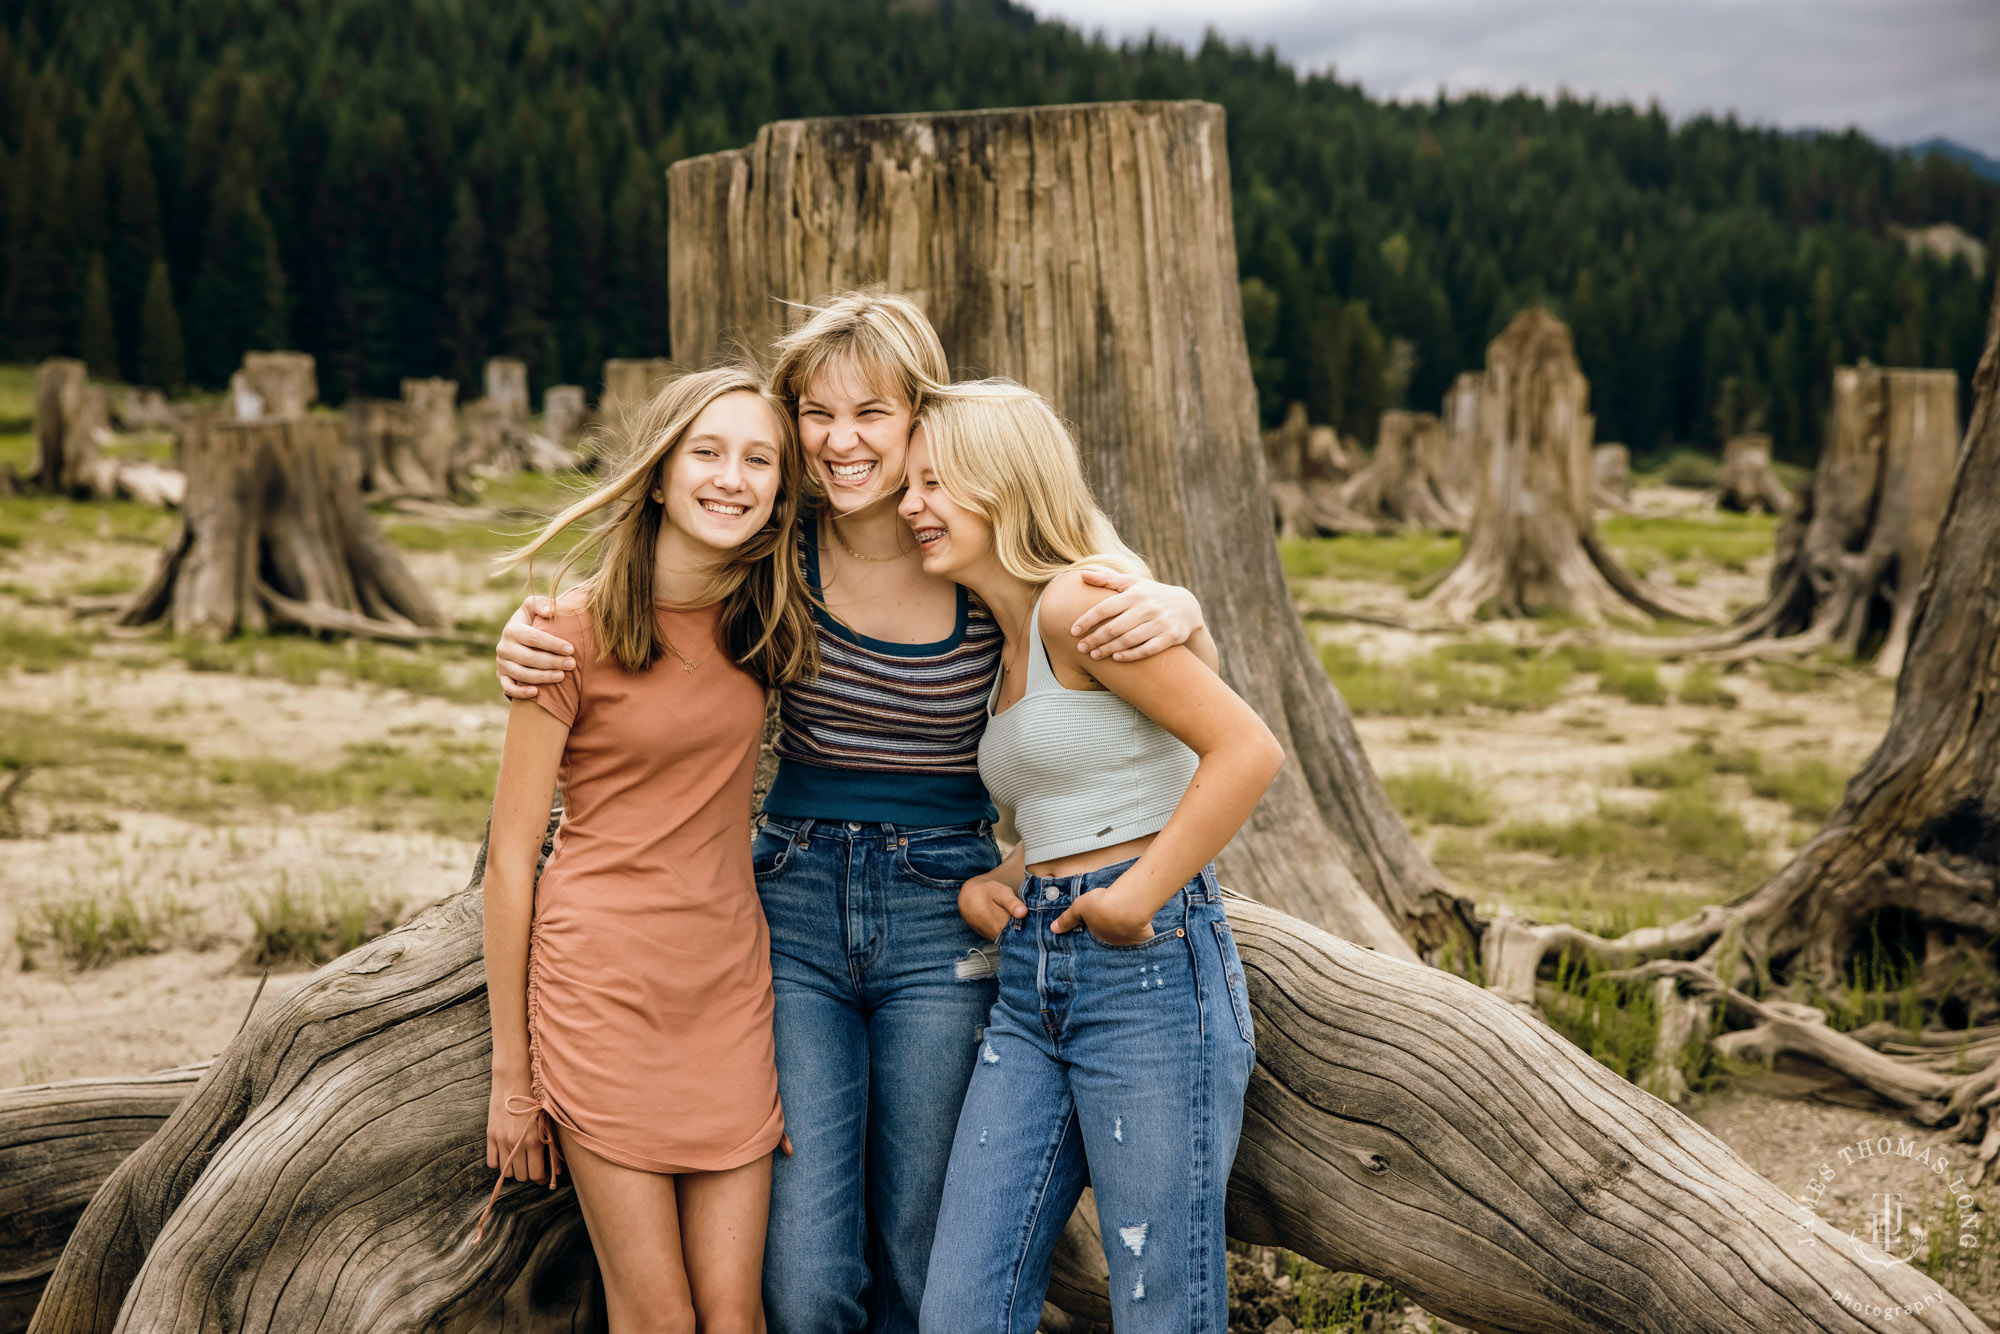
<point>649,969</point>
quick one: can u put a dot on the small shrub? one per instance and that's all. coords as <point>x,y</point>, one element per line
<point>1634,682</point>
<point>1702,685</point>
<point>1810,787</point>
<point>30,648</point>
<point>1439,796</point>
<point>90,932</point>
<point>1687,468</point>
<point>292,928</point>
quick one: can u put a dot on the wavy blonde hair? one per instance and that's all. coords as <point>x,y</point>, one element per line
<point>765,614</point>
<point>1001,451</point>
<point>883,336</point>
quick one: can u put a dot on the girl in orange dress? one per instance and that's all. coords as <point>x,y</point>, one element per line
<point>631,986</point>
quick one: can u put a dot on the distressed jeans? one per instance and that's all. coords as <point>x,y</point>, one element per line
<point>876,1037</point>
<point>1120,1067</point>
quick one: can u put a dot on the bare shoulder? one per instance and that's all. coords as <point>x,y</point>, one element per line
<point>1065,598</point>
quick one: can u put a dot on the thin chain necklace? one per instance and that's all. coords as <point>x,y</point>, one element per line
<point>686,665</point>
<point>901,550</point>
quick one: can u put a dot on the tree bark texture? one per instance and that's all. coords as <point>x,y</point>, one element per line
<point>1611,476</point>
<point>1532,544</point>
<point>1851,551</point>
<point>326,1172</point>
<point>275,533</point>
<point>507,388</point>
<point>1088,252</point>
<point>70,416</point>
<point>58,1142</point>
<point>1748,483</point>
<point>1413,480</point>
<point>406,448</point>
<point>274,386</point>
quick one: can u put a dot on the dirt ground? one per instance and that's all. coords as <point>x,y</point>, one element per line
<point>183,805</point>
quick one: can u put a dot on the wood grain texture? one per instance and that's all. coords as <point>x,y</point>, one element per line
<point>1088,252</point>
<point>58,1142</point>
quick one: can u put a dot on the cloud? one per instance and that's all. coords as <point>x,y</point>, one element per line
<point>1901,70</point>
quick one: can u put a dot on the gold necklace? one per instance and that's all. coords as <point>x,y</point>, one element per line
<point>901,550</point>
<point>686,665</point>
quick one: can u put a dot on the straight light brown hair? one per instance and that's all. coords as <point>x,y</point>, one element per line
<point>765,615</point>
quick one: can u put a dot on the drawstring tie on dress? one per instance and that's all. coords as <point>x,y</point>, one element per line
<point>540,1123</point>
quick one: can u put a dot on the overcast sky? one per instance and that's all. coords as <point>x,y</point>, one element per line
<point>1901,70</point>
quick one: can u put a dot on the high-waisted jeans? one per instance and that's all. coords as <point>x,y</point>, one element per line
<point>1120,1067</point>
<point>876,1038</point>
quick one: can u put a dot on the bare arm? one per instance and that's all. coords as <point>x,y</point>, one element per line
<point>528,765</point>
<point>1142,618</point>
<point>529,656</point>
<point>1238,759</point>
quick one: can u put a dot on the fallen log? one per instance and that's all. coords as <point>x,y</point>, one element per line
<point>58,1142</point>
<point>326,1172</point>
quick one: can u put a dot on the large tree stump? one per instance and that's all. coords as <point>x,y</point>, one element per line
<point>1747,482</point>
<point>1532,544</point>
<point>274,385</point>
<point>1611,476</point>
<point>1908,865</point>
<point>1850,552</point>
<point>629,383</point>
<point>406,448</point>
<point>326,1173</point>
<point>1306,465</point>
<point>71,419</point>
<point>563,413</point>
<point>275,533</point>
<point>507,388</point>
<point>1412,482</point>
<point>1089,253</point>
<point>58,1142</point>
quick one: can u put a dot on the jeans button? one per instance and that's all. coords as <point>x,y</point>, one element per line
<point>853,826</point>
<point>1048,896</point>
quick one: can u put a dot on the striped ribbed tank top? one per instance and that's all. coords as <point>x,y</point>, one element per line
<point>887,732</point>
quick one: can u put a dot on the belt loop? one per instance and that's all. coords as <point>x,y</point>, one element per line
<point>804,837</point>
<point>1209,883</point>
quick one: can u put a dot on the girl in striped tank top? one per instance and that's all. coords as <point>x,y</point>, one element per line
<point>876,821</point>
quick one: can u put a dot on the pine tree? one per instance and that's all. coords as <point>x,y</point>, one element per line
<point>527,278</point>
<point>38,270</point>
<point>135,245</point>
<point>98,338</point>
<point>239,293</point>
<point>468,287</point>
<point>162,361</point>
<point>638,288</point>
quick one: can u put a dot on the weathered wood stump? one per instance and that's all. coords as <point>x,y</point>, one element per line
<point>563,413</point>
<point>58,1143</point>
<point>1850,552</point>
<point>507,388</point>
<point>1747,482</point>
<point>1532,543</point>
<point>1089,253</point>
<point>629,383</point>
<point>71,420</point>
<point>1411,482</point>
<point>1611,476</point>
<point>275,533</point>
<point>326,1173</point>
<point>274,385</point>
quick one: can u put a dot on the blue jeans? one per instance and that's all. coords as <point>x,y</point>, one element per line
<point>876,1037</point>
<point>1120,1067</point>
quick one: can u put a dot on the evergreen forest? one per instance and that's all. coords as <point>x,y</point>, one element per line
<point>405,187</point>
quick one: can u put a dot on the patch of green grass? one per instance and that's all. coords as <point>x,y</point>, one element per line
<point>1439,796</point>
<point>1447,681</point>
<point>1405,558</point>
<point>1618,1023</point>
<point>1810,786</point>
<point>119,581</point>
<point>1731,541</point>
<point>1702,685</point>
<point>90,932</point>
<point>30,648</point>
<point>1684,832</point>
<point>42,521</point>
<point>1689,468</point>
<point>1634,682</point>
<point>1692,766</point>
<point>1789,678</point>
<point>17,451</point>
<point>446,671</point>
<point>448,789</point>
<point>292,927</point>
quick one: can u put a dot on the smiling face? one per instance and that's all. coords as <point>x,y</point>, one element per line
<point>951,537</point>
<point>722,480</point>
<point>856,437</point>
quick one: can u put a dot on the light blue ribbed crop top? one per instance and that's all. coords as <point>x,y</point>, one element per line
<point>1082,769</point>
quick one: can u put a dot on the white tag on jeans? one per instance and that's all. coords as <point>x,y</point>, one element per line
<point>981,962</point>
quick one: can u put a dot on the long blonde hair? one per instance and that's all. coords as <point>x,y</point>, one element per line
<point>999,450</point>
<point>765,616</point>
<point>883,336</point>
